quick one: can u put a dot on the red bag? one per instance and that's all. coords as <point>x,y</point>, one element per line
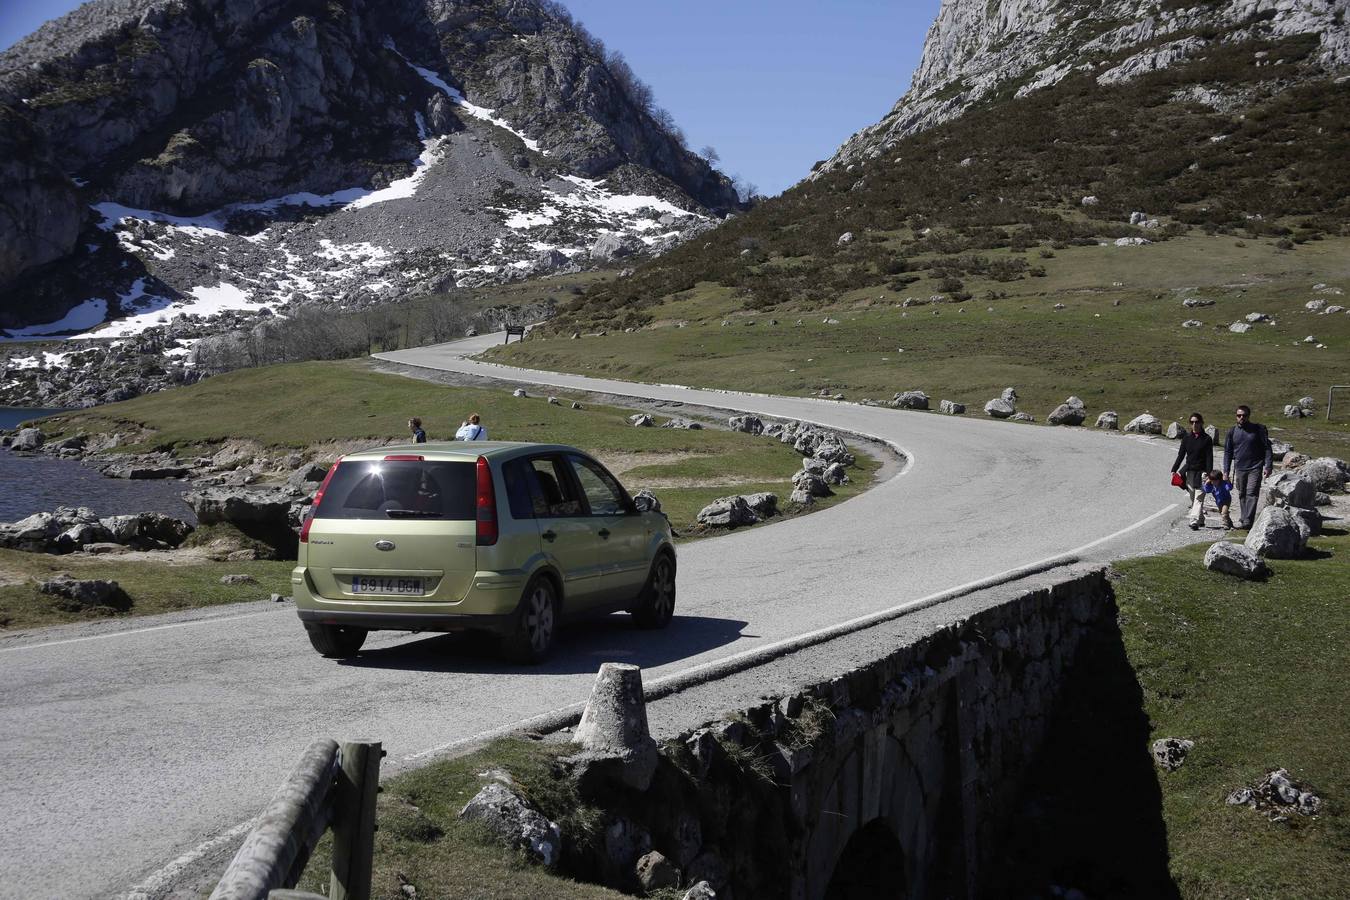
<point>1177,480</point>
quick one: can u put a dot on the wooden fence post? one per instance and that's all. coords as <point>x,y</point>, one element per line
<point>354,819</point>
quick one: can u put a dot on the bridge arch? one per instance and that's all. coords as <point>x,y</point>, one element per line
<point>871,866</point>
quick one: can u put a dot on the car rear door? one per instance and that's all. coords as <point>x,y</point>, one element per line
<point>569,537</point>
<point>622,531</point>
<point>395,529</point>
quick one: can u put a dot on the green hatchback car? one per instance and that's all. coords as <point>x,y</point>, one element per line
<point>503,538</point>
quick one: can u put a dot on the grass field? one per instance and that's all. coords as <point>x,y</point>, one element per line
<point>1117,343</point>
<point>153,585</point>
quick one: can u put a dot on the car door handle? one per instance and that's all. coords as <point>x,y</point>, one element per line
<point>604,533</point>
<point>548,535</point>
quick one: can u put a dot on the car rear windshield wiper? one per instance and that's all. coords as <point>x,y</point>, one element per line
<point>411,514</point>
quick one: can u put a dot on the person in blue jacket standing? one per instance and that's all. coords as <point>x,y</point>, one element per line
<point>1247,460</point>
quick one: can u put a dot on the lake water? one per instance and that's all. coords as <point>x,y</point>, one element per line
<point>32,483</point>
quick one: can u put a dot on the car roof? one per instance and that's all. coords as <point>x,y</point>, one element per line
<point>459,450</point>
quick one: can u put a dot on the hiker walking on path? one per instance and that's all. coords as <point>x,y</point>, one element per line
<point>1195,459</point>
<point>418,434</point>
<point>471,430</point>
<point>1246,460</point>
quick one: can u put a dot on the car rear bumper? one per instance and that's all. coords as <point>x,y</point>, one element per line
<point>394,621</point>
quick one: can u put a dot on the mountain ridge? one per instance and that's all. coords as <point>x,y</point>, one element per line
<point>976,49</point>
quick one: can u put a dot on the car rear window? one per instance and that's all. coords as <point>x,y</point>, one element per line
<point>401,489</point>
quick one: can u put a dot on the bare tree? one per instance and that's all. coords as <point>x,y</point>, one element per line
<point>711,155</point>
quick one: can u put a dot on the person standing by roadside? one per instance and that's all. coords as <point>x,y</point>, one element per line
<point>1195,458</point>
<point>1246,460</point>
<point>415,426</point>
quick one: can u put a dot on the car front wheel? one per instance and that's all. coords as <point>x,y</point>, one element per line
<point>537,623</point>
<point>656,604</point>
<point>336,641</point>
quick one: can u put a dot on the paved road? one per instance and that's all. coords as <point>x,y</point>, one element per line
<point>124,747</point>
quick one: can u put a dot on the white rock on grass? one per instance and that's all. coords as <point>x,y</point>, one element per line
<point>1291,488</point>
<point>1108,420</point>
<point>1277,534</point>
<point>1170,753</point>
<point>1239,328</point>
<point>910,400</point>
<point>1237,560</point>
<point>727,512</point>
<point>952,408</point>
<point>1000,408</point>
<point>1067,414</point>
<point>516,822</point>
<point>519,392</point>
<point>1144,424</point>
<point>641,420</point>
<point>746,424</point>
<point>1174,431</point>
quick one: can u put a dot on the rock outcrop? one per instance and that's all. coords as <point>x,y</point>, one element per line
<point>977,49</point>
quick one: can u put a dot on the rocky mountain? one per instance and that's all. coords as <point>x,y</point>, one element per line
<point>992,50</point>
<point>163,158</point>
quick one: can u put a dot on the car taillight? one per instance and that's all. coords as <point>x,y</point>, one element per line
<point>318,498</point>
<point>487,505</point>
<point>401,457</point>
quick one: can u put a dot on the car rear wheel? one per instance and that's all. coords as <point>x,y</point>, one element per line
<point>533,637</point>
<point>336,641</point>
<point>656,604</point>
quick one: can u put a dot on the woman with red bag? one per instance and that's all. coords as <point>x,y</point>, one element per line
<point>1195,459</point>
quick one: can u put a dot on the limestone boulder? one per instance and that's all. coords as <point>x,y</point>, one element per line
<point>1065,414</point>
<point>727,512</point>
<point>646,501</point>
<point>1144,424</point>
<point>910,400</point>
<point>1108,420</point>
<point>28,439</point>
<point>308,477</point>
<point>813,484</point>
<point>1237,560</point>
<point>654,872</point>
<point>763,504</point>
<point>1326,473</point>
<point>240,504</point>
<point>641,420</point>
<point>80,594</point>
<point>835,474</point>
<point>746,424</point>
<point>1009,395</point>
<point>1174,431</point>
<point>516,822</point>
<point>1000,408</point>
<point>1288,488</point>
<point>1170,753</point>
<point>952,408</point>
<point>1277,534</point>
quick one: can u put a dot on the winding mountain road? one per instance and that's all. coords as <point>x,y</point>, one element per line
<point>126,746</point>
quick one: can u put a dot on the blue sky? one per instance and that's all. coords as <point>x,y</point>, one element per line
<point>774,85</point>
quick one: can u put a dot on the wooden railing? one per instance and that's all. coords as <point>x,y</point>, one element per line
<point>333,786</point>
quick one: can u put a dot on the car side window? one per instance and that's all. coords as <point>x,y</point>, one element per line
<point>553,493</point>
<point>519,488</point>
<point>603,493</point>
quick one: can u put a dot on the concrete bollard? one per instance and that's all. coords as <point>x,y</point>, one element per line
<point>614,725</point>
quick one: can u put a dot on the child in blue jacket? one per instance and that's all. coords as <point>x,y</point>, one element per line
<point>1222,492</point>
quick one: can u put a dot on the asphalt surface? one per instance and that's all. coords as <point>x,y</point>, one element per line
<point>131,752</point>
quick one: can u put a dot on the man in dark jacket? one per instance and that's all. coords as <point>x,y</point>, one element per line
<point>1247,459</point>
<point>1195,459</point>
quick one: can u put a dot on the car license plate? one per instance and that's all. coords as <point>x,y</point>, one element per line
<point>379,584</point>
